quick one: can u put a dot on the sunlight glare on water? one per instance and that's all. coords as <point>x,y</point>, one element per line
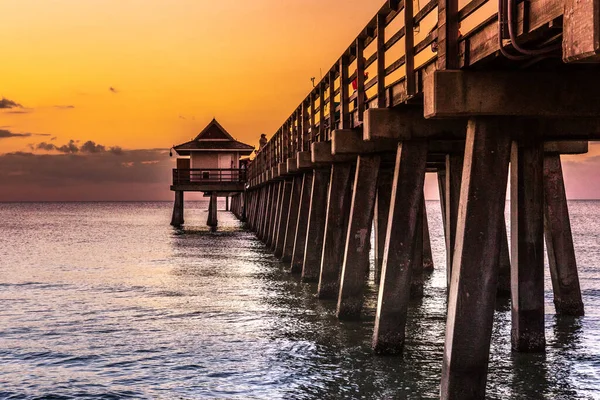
<point>106,300</point>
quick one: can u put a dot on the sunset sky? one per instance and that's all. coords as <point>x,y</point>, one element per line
<point>120,81</point>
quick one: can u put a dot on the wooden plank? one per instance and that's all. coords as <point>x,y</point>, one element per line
<point>581,31</point>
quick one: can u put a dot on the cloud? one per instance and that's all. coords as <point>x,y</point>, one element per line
<point>48,170</point>
<point>67,107</point>
<point>5,133</point>
<point>89,147</point>
<point>113,90</point>
<point>6,103</point>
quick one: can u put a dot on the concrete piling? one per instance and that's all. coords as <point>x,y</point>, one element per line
<point>559,241</point>
<point>527,243</point>
<point>177,217</point>
<point>475,265</point>
<point>316,225</point>
<point>336,225</point>
<point>355,267</point>
<point>394,289</point>
<point>302,224</point>
<point>380,219</point>
<point>292,219</point>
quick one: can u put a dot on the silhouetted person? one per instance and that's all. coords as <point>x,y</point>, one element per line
<point>263,141</point>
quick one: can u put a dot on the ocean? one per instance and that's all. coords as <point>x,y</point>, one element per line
<point>107,301</point>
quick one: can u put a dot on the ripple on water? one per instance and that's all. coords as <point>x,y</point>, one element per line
<point>124,306</point>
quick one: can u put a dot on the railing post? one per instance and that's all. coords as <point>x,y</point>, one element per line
<point>381,98</point>
<point>332,107</point>
<point>344,103</point>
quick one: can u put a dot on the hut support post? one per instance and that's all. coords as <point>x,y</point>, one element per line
<point>355,267</point>
<point>177,217</point>
<point>394,289</point>
<point>212,211</point>
<point>475,265</point>
<point>316,225</point>
<point>559,241</point>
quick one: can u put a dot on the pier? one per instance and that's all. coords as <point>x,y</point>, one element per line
<point>462,92</point>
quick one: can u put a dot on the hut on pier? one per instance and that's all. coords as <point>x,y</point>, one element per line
<point>210,163</point>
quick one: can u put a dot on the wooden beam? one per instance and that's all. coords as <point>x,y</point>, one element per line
<point>581,31</point>
<point>526,94</point>
<point>405,123</point>
<point>350,141</point>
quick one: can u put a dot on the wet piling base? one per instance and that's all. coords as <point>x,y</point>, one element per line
<point>212,211</point>
<point>177,217</point>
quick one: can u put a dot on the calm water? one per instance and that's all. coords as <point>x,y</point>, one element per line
<point>106,300</point>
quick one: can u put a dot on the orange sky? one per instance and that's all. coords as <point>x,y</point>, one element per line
<point>147,74</point>
<point>174,65</point>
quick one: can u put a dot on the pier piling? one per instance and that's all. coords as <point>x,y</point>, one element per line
<point>336,225</point>
<point>475,265</point>
<point>559,241</point>
<point>302,223</point>
<point>177,218</point>
<point>355,267</point>
<point>316,225</point>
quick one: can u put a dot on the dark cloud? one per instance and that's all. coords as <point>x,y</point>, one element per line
<point>21,111</point>
<point>47,170</point>
<point>113,90</point>
<point>69,148</point>
<point>91,147</point>
<point>6,103</point>
<point>53,138</point>
<point>67,107</point>
<point>45,146</point>
<point>5,133</point>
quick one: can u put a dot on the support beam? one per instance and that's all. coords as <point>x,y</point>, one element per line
<point>336,225</point>
<point>316,225</point>
<point>394,289</point>
<point>275,213</point>
<point>355,267</point>
<point>292,219</point>
<point>427,253</point>
<point>475,266</point>
<point>527,244</point>
<point>283,213</point>
<point>559,241</point>
<point>212,220</point>
<point>417,278</point>
<point>177,217</point>
<point>511,93</point>
<point>382,211</point>
<point>454,167</point>
<point>407,122</point>
<point>581,31</point>
<point>302,224</point>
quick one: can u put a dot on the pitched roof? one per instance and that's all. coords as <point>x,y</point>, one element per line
<point>213,138</point>
<point>214,131</point>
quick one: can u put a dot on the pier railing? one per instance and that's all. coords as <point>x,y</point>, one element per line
<point>405,41</point>
<point>208,175</point>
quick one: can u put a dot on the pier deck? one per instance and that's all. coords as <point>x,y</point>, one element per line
<point>462,90</point>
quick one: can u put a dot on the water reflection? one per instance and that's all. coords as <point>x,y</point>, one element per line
<point>127,306</point>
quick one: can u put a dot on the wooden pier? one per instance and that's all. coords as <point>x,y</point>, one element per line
<point>461,90</point>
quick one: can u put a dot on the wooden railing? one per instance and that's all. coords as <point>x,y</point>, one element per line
<point>385,64</point>
<point>208,175</point>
